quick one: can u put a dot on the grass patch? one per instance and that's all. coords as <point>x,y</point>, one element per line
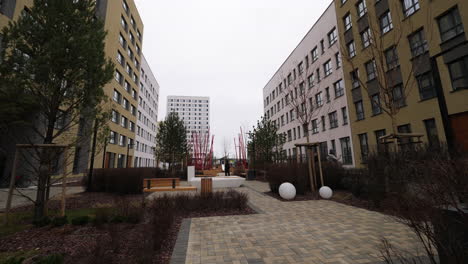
<point>16,257</point>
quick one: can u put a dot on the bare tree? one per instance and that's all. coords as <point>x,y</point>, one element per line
<point>386,86</point>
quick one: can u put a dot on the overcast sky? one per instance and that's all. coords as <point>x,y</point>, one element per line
<point>224,49</point>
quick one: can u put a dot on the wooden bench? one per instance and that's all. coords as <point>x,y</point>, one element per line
<point>160,182</point>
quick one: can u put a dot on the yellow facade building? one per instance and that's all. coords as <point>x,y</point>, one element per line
<point>123,45</point>
<point>410,57</point>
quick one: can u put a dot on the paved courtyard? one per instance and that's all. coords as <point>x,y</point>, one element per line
<point>293,232</point>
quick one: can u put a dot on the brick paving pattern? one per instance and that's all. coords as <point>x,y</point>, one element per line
<point>310,232</point>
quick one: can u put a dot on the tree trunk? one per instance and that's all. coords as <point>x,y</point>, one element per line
<point>39,206</point>
<point>93,154</point>
<point>310,163</point>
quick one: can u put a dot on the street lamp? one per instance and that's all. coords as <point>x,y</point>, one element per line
<point>129,146</point>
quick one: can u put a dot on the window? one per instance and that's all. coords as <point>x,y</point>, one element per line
<point>322,120</point>
<point>327,94</point>
<point>289,79</point>
<point>314,53</point>
<point>346,151</point>
<point>128,69</point>
<point>125,6</point>
<point>409,7</point>
<point>314,126</point>
<point>355,78</point>
<point>122,41</point>
<point>359,110</point>
<point>347,21</point>
<point>125,103</point>
<point>131,126</point>
<point>132,38</point>
<point>361,8</point>
<point>123,121</point>
<point>375,100</point>
<point>318,99</point>
<point>138,35</point>
<point>351,49</point>
<point>450,25</point>
<point>317,72</point>
<point>132,21</point>
<point>371,70</point>
<point>310,80</point>
<point>398,96</point>
<point>366,38</point>
<point>118,77</point>
<point>327,68</point>
<point>120,58</point>
<point>300,68</point>
<point>333,118</point>
<point>339,88</point>
<point>113,137</point>
<point>123,22</point>
<point>386,22</point>
<point>333,147</point>
<point>431,131</point>
<point>364,145</point>
<point>338,60</point>
<point>332,37</point>
<point>344,113</point>
<point>127,86</point>
<point>418,43</point>
<point>391,58</point>
<point>117,96</point>
<point>379,134</point>
<point>61,120</point>
<point>459,73</point>
<point>426,86</point>
<point>322,46</point>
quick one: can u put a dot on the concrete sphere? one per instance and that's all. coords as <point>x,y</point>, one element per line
<point>287,191</point>
<point>325,192</point>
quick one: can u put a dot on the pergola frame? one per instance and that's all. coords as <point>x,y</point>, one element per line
<point>15,165</point>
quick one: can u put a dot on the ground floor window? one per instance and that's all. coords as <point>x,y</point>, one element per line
<point>346,151</point>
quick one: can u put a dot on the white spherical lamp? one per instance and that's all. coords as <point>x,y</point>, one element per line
<point>287,191</point>
<point>325,192</point>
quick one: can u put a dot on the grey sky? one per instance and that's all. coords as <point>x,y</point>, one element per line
<point>227,50</point>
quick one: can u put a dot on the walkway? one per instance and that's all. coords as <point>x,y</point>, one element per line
<point>293,232</point>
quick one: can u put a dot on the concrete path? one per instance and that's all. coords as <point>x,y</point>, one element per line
<point>294,232</point>
<point>19,200</point>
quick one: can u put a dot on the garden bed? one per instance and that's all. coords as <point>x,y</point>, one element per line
<point>113,239</point>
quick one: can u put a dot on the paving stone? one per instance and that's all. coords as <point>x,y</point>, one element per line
<point>310,232</point>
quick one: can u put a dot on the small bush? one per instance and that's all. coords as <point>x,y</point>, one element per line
<point>51,259</point>
<point>59,221</point>
<point>43,221</point>
<point>102,215</point>
<point>80,220</point>
<point>294,173</point>
<point>14,260</point>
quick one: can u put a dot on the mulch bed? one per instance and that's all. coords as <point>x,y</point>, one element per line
<point>347,198</point>
<point>108,243</point>
<point>300,197</point>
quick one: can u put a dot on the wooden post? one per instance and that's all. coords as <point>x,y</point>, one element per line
<point>12,187</point>
<point>64,182</point>
<point>320,167</point>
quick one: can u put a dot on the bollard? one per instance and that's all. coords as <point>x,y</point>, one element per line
<point>148,184</point>
<point>173,183</point>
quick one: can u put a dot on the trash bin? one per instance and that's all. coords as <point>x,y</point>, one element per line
<point>206,185</point>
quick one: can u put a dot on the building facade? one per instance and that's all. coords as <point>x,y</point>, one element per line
<point>311,79</point>
<point>193,110</point>
<point>146,126</point>
<point>418,51</point>
<point>124,45</point>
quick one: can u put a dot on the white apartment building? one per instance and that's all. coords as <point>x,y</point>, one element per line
<point>193,110</point>
<point>148,99</point>
<point>312,74</point>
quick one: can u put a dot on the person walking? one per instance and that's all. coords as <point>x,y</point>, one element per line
<point>226,167</point>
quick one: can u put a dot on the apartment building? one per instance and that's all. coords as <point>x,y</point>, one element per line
<point>146,125</point>
<point>193,110</point>
<point>418,50</point>
<point>124,45</point>
<point>311,81</point>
